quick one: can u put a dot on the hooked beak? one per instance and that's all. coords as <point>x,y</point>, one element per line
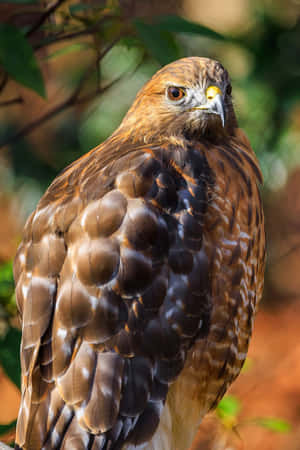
<point>214,104</point>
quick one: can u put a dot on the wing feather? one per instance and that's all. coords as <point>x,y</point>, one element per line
<point>110,294</point>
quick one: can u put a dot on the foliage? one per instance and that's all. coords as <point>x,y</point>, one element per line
<point>159,39</point>
<point>6,281</point>
<point>228,412</point>
<point>18,59</point>
<point>9,354</point>
<point>5,428</point>
<point>10,337</point>
<point>7,298</point>
<point>8,428</point>
<point>273,424</point>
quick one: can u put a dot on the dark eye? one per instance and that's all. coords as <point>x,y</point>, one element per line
<point>175,93</point>
<point>229,89</point>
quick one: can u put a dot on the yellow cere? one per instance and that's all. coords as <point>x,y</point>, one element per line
<point>212,91</point>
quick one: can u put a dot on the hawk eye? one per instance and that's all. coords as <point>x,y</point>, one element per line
<point>175,93</point>
<point>229,89</point>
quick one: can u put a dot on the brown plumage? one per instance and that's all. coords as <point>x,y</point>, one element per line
<point>140,272</point>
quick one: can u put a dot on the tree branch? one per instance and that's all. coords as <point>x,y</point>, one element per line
<point>68,102</point>
<point>291,250</point>
<point>12,101</point>
<point>85,32</point>
<point>44,17</point>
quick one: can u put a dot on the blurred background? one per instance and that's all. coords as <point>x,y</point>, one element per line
<point>69,70</point>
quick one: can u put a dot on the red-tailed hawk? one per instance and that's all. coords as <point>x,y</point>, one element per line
<point>140,272</point>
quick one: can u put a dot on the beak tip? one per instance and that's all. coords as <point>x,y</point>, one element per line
<point>220,108</point>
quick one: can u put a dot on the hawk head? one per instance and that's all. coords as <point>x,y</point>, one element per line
<point>188,98</point>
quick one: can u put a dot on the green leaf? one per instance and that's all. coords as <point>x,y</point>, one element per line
<point>177,24</point>
<point>160,43</point>
<point>273,424</point>
<point>18,59</point>
<point>7,427</point>
<point>228,407</point>
<point>130,41</point>
<point>6,280</point>
<point>10,355</point>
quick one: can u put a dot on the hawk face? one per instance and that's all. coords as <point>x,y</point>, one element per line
<point>189,98</point>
